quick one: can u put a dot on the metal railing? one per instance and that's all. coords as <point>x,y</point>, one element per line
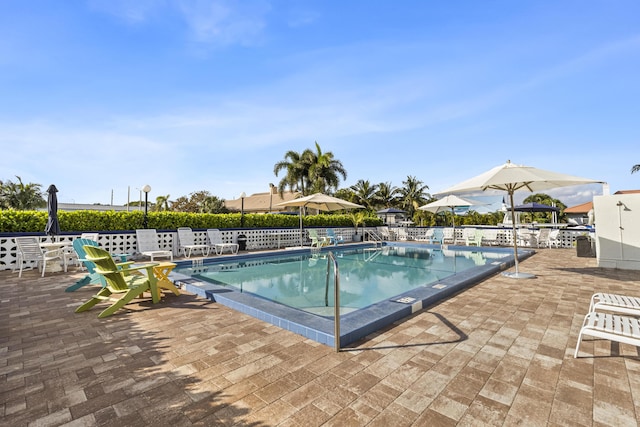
<point>336,297</point>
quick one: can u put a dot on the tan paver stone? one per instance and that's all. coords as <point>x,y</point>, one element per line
<point>499,353</point>
<point>449,407</point>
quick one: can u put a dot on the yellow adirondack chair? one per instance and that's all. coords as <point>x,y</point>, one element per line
<point>127,287</point>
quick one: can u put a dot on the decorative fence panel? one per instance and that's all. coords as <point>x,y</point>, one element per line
<point>257,239</point>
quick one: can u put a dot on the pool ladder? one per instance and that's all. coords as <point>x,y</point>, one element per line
<point>331,259</point>
<point>373,236</point>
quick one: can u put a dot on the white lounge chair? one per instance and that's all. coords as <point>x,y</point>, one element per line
<point>187,242</point>
<point>147,241</point>
<point>614,302</point>
<point>385,233</point>
<point>612,327</point>
<point>489,237</point>
<point>218,244</point>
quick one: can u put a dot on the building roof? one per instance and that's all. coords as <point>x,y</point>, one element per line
<point>627,192</point>
<point>579,209</point>
<point>262,202</point>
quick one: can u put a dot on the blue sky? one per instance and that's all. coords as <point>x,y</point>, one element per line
<point>105,95</point>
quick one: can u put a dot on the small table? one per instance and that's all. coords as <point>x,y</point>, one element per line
<point>161,271</point>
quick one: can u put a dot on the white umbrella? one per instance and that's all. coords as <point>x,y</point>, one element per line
<point>321,202</point>
<point>447,203</point>
<point>511,178</point>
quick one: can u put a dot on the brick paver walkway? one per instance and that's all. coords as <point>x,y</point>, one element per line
<point>500,353</point>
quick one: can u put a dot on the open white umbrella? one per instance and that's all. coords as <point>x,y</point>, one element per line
<point>448,203</point>
<point>321,202</point>
<point>511,178</point>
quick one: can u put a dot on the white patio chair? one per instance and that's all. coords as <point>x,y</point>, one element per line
<point>543,238</point>
<point>147,241</point>
<point>554,239</point>
<point>218,244</point>
<point>29,250</point>
<point>448,235</point>
<point>187,244</point>
<point>489,236</point>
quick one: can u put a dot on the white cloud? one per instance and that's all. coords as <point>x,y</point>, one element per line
<point>225,22</point>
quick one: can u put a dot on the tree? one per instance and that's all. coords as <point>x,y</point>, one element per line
<point>21,196</point>
<point>545,199</point>
<point>635,168</point>
<point>297,175</point>
<point>162,203</point>
<point>200,202</point>
<point>365,193</point>
<point>413,194</point>
<point>346,194</point>
<point>386,195</point>
<point>323,170</point>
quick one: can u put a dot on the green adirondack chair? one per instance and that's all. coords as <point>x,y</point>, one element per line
<point>118,283</point>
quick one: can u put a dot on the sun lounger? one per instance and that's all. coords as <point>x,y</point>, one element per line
<point>614,302</point>
<point>611,327</point>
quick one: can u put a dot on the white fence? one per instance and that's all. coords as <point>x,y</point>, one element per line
<point>256,239</point>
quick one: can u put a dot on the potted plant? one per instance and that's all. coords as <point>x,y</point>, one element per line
<point>357,218</point>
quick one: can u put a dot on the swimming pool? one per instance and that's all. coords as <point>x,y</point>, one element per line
<point>290,290</point>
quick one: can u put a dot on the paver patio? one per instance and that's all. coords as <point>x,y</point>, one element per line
<point>499,353</point>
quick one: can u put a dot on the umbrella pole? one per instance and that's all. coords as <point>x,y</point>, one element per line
<point>517,274</point>
<point>513,230</point>
<point>301,229</point>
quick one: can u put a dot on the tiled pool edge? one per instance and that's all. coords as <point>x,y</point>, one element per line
<point>353,326</point>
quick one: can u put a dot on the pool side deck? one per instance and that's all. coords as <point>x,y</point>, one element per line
<point>499,353</point>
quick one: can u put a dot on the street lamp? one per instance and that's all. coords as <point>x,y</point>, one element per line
<point>242,196</point>
<point>146,189</point>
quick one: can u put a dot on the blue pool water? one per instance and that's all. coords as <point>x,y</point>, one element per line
<point>367,275</point>
<point>289,288</point>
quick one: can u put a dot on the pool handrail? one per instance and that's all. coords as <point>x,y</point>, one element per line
<point>336,297</point>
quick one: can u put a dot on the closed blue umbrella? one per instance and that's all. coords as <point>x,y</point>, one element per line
<point>53,226</point>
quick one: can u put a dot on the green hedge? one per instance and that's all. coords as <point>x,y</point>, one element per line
<point>35,221</point>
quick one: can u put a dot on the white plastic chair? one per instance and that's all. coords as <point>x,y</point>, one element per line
<point>554,239</point>
<point>29,250</point>
<point>147,241</point>
<point>186,242</point>
<point>215,241</point>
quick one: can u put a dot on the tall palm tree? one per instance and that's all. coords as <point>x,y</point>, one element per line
<point>386,195</point>
<point>413,194</point>
<point>323,170</point>
<point>297,176</point>
<point>365,193</point>
<point>635,168</point>
<point>21,196</point>
<point>162,203</point>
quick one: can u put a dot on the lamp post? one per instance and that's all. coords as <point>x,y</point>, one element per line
<point>242,196</point>
<point>146,189</point>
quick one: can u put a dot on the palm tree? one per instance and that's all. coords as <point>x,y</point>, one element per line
<point>162,203</point>
<point>21,196</point>
<point>365,193</point>
<point>297,175</point>
<point>386,195</point>
<point>413,194</point>
<point>323,170</point>
<point>635,168</point>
